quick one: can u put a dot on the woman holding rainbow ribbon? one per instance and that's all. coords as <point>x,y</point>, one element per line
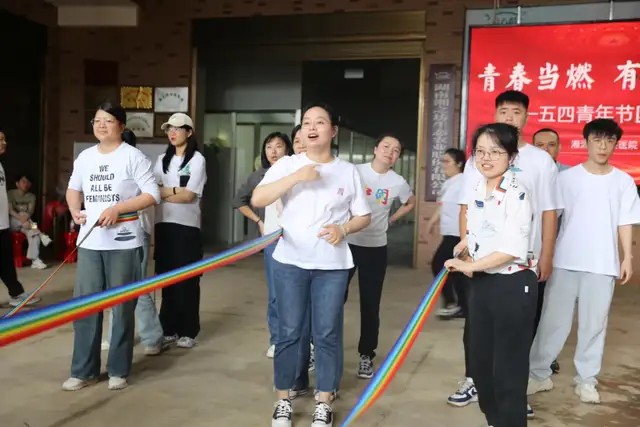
<point>114,181</point>
<point>323,201</point>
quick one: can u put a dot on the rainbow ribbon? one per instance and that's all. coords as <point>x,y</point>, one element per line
<point>33,322</point>
<point>399,352</point>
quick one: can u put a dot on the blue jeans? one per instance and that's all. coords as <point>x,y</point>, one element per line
<point>96,272</point>
<point>272,310</point>
<point>324,289</point>
<point>149,327</point>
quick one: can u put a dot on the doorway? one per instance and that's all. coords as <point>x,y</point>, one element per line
<point>233,141</point>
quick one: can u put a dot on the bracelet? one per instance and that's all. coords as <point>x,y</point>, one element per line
<point>344,230</point>
<point>258,221</point>
<point>174,191</point>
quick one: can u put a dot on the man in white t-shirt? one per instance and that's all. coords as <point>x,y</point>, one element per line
<point>538,172</point>
<point>601,206</point>
<point>7,267</point>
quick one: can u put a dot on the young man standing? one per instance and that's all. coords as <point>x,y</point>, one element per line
<point>548,140</point>
<point>7,268</point>
<point>539,173</point>
<point>604,200</point>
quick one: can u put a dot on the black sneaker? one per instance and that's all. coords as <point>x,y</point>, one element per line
<point>555,367</point>
<point>322,416</point>
<point>365,368</point>
<point>282,414</point>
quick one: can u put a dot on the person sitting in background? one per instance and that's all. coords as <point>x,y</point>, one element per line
<point>22,205</point>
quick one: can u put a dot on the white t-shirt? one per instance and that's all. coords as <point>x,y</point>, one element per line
<point>596,205</point>
<point>381,190</point>
<point>501,222</point>
<point>193,177</point>
<point>146,219</point>
<point>105,180</point>
<point>537,171</point>
<point>333,199</point>
<point>272,216</point>
<point>449,200</point>
<point>4,201</point>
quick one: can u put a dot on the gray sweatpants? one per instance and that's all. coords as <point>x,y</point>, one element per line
<point>593,292</point>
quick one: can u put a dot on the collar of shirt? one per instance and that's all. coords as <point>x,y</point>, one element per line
<point>499,190</point>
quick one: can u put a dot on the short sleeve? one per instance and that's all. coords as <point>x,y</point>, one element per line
<point>157,170</point>
<point>75,181</point>
<point>404,192</point>
<point>550,196</point>
<point>198,175</point>
<point>517,231</point>
<point>277,171</point>
<point>629,204</point>
<point>470,178</point>
<point>359,205</point>
<point>142,174</point>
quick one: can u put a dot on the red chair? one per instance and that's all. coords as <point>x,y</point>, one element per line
<point>70,238</point>
<point>51,210</point>
<point>19,255</point>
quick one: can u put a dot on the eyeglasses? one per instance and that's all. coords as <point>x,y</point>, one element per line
<point>98,122</point>
<point>174,129</point>
<point>607,142</point>
<point>492,155</point>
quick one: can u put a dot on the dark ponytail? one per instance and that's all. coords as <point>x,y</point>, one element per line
<point>129,137</point>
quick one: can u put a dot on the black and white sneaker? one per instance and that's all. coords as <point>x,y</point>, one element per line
<point>282,414</point>
<point>322,416</point>
<point>365,368</point>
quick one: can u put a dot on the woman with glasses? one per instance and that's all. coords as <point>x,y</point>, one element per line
<point>503,292</point>
<point>181,174</point>
<point>448,213</point>
<point>114,181</point>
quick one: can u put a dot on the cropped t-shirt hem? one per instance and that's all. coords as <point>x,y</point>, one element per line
<point>312,266</point>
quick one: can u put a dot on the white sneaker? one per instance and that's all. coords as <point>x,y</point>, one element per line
<point>537,386</point>
<point>16,301</point>
<point>117,383</point>
<point>38,264</point>
<point>587,393</point>
<point>153,350</point>
<point>104,346</point>
<point>448,311</point>
<point>170,339</point>
<point>75,384</point>
<point>271,351</point>
<point>46,240</point>
<point>185,342</point>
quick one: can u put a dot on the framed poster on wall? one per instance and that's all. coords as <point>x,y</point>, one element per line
<point>171,100</point>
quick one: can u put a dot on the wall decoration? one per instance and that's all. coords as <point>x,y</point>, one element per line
<point>141,123</point>
<point>136,97</point>
<point>171,100</point>
<point>440,117</point>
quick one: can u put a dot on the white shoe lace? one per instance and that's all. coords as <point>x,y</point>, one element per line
<point>365,364</point>
<point>465,386</point>
<point>283,409</point>
<point>322,412</point>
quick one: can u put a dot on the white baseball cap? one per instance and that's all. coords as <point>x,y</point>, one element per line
<point>178,120</point>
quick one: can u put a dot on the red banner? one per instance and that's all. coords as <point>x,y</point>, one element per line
<point>572,74</point>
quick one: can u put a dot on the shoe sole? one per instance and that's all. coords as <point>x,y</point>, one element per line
<point>540,390</point>
<point>462,404</point>
<point>365,376</point>
<point>118,387</point>
<point>80,386</point>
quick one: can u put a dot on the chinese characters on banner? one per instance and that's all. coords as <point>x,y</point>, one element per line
<point>440,115</point>
<point>572,73</point>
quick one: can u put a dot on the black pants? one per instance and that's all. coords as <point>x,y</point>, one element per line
<point>541,287</point>
<point>502,309</point>
<point>176,246</point>
<point>371,263</point>
<point>454,285</point>
<point>7,267</point>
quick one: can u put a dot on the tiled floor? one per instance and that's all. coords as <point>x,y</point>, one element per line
<point>226,380</point>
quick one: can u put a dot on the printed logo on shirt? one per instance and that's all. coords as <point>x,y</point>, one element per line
<point>124,235</point>
<point>185,171</point>
<point>340,191</point>
<point>521,196</point>
<point>515,168</point>
<point>382,194</point>
<point>479,204</point>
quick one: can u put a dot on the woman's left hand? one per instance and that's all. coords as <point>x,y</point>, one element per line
<point>108,217</point>
<point>332,233</point>
<point>456,264</point>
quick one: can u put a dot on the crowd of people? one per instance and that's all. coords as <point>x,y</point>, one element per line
<point>515,274</point>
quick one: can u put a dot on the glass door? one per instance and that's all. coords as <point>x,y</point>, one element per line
<point>232,144</point>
